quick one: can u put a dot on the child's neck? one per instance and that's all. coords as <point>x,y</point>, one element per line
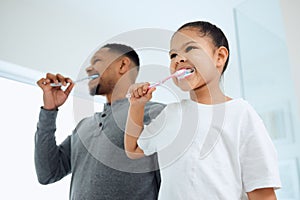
<point>209,95</point>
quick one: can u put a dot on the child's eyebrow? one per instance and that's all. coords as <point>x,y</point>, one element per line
<point>185,44</point>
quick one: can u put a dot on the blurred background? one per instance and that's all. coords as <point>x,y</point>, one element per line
<point>59,36</point>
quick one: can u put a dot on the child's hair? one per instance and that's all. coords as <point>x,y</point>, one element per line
<point>215,33</point>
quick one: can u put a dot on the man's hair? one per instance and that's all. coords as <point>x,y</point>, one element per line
<point>124,50</point>
<point>207,29</point>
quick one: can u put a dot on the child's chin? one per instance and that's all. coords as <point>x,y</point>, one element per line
<point>185,87</point>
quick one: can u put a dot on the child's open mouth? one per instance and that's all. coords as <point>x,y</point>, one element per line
<point>187,72</point>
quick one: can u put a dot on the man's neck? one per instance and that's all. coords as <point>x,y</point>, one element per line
<point>110,98</point>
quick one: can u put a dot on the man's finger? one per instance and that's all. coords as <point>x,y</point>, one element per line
<point>69,89</point>
<point>42,82</point>
<point>51,77</point>
<point>61,79</point>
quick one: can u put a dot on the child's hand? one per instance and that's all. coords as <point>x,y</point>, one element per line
<point>140,93</point>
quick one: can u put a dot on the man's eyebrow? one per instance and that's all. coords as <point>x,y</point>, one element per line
<point>95,57</point>
<point>185,44</point>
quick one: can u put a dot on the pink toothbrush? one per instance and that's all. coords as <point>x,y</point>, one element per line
<point>180,74</point>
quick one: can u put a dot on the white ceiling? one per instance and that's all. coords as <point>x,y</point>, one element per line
<point>58,36</point>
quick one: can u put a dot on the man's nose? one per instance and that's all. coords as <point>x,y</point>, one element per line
<point>88,69</point>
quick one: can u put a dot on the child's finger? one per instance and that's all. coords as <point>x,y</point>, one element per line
<point>140,91</point>
<point>150,91</point>
<point>136,93</point>
<point>146,87</point>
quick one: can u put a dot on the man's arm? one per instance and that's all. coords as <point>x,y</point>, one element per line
<point>52,162</point>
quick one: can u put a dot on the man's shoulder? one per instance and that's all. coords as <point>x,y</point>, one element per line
<point>157,104</point>
<point>152,110</point>
<point>154,106</point>
<point>87,120</point>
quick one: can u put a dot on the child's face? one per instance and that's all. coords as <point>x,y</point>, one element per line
<point>191,51</point>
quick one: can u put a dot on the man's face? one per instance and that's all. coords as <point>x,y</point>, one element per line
<point>105,63</point>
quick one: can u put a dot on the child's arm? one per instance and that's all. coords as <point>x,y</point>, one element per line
<point>139,96</point>
<point>262,194</point>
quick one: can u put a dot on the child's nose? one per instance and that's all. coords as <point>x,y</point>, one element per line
<point>180,59</point>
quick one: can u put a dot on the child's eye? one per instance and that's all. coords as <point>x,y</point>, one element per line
<point>189,48</point>
<point>173,55</point>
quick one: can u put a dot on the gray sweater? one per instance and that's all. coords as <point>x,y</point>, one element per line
<point>94,155</point>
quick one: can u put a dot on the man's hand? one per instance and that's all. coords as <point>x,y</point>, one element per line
<point>54,96</point>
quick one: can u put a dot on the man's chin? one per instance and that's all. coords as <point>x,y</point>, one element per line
<point>92,93</point>
<point>96,91</point>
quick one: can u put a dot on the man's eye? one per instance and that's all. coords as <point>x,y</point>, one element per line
<point>189,48</point>
<point>173,55</point>
<point>95,61</point>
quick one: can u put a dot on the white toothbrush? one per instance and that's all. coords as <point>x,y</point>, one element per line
<point>92,77</point>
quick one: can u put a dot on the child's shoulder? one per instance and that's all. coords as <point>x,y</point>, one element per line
<point>239,103</point>
<point>245,110</point>
<point>180,104</point>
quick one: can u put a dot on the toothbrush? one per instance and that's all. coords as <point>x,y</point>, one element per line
<point>92,77</point>
<point>180,74</point>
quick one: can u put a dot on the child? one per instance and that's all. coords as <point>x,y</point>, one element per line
<point>209,146</point>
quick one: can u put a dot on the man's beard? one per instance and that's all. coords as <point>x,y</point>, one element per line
<point>95,91</point>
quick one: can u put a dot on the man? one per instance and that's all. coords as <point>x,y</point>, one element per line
<point>94,153</point>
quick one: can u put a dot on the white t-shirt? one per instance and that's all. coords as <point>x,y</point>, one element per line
<point>211,152</point>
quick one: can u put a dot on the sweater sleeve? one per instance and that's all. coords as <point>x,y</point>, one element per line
<point>52,162</point>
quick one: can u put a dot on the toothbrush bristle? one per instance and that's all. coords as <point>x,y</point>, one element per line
<point>94,76</point>
<point>186,73</point>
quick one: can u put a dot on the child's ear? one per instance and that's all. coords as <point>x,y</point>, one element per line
<point>222,54</point>
<point>124,65</point>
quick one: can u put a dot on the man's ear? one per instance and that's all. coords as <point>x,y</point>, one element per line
<point>222,56</point>
<point>124,65</point>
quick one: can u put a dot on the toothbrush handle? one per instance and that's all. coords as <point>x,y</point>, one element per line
<point>150,86</point>
<point>59,84</point>
<point>55,84</point>
<point>160,82</point>
<point>154,85</point>
<point>176,74</point>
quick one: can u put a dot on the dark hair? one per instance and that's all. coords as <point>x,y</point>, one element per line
<point>126,51</point>
<point>215,33</point>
